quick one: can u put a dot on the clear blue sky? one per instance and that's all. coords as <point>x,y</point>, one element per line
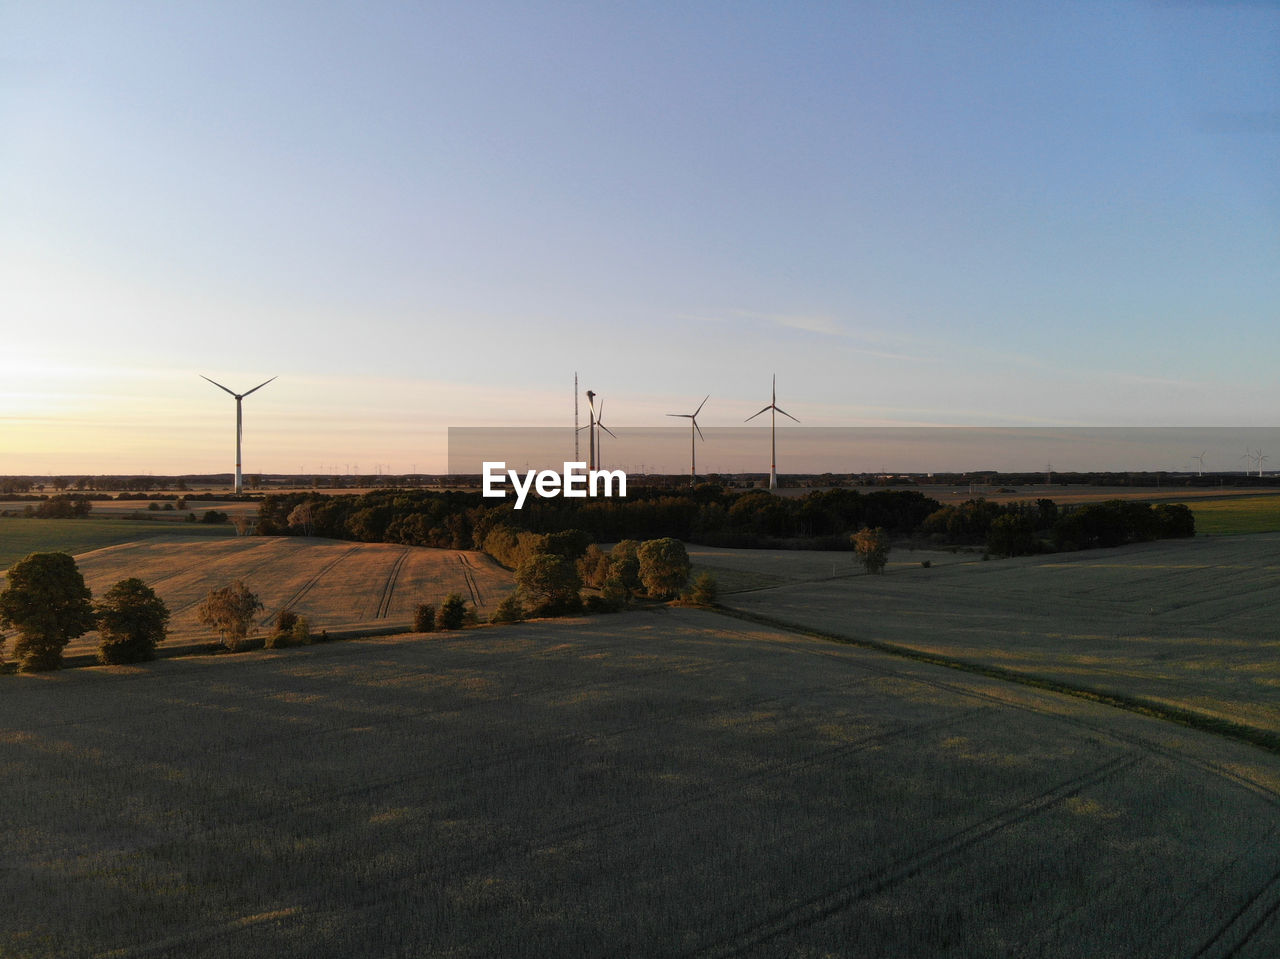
<point>425,215</point>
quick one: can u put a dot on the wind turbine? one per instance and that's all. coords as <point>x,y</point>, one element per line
<point>1200,459</point>
<point>600,426</point>
<point>693,450</point>
<point>239,423</point>
<point>773,432</point>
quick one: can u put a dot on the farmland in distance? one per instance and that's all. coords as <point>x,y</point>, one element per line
<point>334,584</point>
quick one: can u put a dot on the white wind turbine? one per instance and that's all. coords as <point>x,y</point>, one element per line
<point>1200,459</point>
<point>599,416</point>
<point>773,431</point>
<point>693,450</point>
<point>239,422</point>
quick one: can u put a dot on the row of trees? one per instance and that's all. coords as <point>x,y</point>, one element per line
<point>47,602</point>
<point>711,515</point>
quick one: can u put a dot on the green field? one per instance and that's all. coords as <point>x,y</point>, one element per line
<point>1237,514</point>
<point>663,784</point>
<point>21,536</point>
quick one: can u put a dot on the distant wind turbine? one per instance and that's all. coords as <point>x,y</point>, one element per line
<point>239,422</point>
<point>600,426</point>
<point>1200,460</point>
<point>693,450</point>
<point>773,431</point>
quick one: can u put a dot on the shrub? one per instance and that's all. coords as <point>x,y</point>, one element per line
<point>424,618</point>
<point>132,620</point>
<point>593,567</point>
<point>704,590</point>
<point>214,517</point>
<point>510,610</point>
<point>301,632</point>
<point>872,548</point>
<point>453,612</point>
<point>594,603</point>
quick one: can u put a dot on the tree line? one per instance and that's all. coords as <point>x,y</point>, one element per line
<point>714,516</point>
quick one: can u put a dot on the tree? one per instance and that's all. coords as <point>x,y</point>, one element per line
<point>132,621</point>
<point>230,610</point>
<point>424,618</point>
<point>1012,535</point>
<point>510,610</point>
<point>551,583</point>
<point>872,547</point>
<point>453,612</point>
<point>47,602</point>
<point>664,566</point>
<point>624,564</point>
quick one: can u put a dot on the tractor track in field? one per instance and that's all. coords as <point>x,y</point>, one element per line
<point>301,591</point>
<point>1229,939</point>
<point>819,908</point>
<point>468,574</point>
<point>389,587</point>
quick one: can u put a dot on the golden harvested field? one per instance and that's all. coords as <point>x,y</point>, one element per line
<point>334,584</point>
<point>1185,623</point>
<point>670,783</point>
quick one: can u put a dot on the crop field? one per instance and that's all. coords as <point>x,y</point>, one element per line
<point>1237,514</point>
<point>1182,623</point>
<point>334,584</point>
<point>20,537</point>
<point>669,783</point>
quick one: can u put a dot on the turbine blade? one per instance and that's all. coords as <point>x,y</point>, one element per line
<point>685,416</point>
<point>754,415</point>
<point>607,430</point>
<point>785,413</point>
<point>258,387</point>
<point>702,404</point>
<point>699,429</point>
<point>216,383</point>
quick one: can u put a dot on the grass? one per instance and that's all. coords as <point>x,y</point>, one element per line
<point>21,536</point>
<point>571,788</point>
<point>1237,514</point>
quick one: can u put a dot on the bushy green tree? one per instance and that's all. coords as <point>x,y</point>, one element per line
<point>47,602</point>
<point>132,621</point>
<point>230,610</point>
<point>551,584</point>
<point>872,548</point>
<point>624,564</point>
<point>453,612</point>
<point>664,566</point>
<point>1012,535</point>
<point>510,610</point>
<point>593,567</point>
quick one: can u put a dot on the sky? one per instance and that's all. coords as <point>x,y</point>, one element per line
<point>427,215</point>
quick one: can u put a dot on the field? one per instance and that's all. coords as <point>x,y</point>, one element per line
<point>1184,623</point>
<point>1237,514</point>
<point>19,537</point>
<point>336,585</point>
<point>668,783</point>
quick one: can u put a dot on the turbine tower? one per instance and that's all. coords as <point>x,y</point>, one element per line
<point>773,431</point>
<point>239,422</point>
<point>693,450</point>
